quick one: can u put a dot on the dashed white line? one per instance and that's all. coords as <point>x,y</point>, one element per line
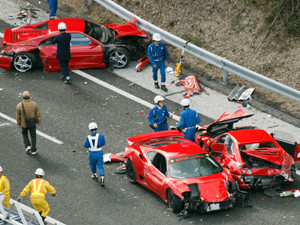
<point>38,132</point>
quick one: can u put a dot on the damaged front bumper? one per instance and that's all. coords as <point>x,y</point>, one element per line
<point>253,181</point>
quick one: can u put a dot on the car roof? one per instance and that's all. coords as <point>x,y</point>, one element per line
<point>251,136</point>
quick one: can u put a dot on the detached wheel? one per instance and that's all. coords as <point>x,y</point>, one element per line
<point>24,62</point>
<point>120,57</point>
<point>174,202</point>
<point>131,172</point>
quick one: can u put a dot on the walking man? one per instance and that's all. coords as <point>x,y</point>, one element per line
<point>52,8</point>
<point>63,52</point>
<point>28,109</point>
<point>38,188</point>
<point>95,142</point>
<point>158,114</point>
<point>189,119</point>
<point>156,53</point>
<point>5,190</point>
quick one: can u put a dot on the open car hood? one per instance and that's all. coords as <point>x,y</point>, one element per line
<point>227,118</point>
<point>274,155</point>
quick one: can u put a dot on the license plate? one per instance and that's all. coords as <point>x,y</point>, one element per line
<point>213,207</point>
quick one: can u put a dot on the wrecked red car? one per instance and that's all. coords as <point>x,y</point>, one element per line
<point>180,172</point>
<point>254,158</point>
<point>92,45</point>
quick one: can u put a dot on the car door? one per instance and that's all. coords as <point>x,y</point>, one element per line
<point>48,55</point>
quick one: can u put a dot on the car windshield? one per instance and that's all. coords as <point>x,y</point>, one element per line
<point>193,166</point>
<point>99,32</point>
<point>257,145</point>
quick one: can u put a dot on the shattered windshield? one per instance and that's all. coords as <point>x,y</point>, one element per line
<point>257,145</point>
<point>193,166</point>
<point>99,32</point>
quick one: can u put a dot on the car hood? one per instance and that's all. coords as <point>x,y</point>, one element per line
<point>212,188</point>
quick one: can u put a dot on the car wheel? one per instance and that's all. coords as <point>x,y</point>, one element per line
<point>24,62</point>
<point>131,172</point>
<point>119,57</point>
<point>174,202</point>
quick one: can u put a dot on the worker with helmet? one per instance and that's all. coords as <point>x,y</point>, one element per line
<point>25,110</point>
<point>52,8</point>
<point>95,142</point>
<point>157,52</point>
<point>158,115</point>
<point>38,188</point>
<point>63,52</point>
<point>188,120</point>
<point>5,190</point>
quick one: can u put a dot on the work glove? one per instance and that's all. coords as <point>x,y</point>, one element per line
<point>19,199</point>
<point>53,195</point>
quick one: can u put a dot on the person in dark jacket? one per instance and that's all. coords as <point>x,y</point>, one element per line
<point>63,53</point>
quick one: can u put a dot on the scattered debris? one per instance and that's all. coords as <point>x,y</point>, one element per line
<point>191,85</point>
<point>241,95</point>
<point>131,84</point>
<point>142,62</point>
<point>114,157</point>
<point>271,192</point>
<point>121,169</point>
<point>298,172</point>
<point>295,193</point>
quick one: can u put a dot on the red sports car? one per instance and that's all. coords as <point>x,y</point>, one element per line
<point>92,45</point>
<point>180,172</point>
<point>254,158</point>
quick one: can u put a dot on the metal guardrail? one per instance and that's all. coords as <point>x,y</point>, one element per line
<point>225,65</point>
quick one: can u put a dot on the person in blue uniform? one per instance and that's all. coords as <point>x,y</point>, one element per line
<point>95,142</point>
<point>158,114</point>
<point>63,52</point>
<point>188,120</point>
<point>156,53</point>
<point>52,8</point>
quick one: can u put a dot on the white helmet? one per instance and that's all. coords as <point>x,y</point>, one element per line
<point>156,37</point>
<point>93,126</point>
<point>158,98</point>
<point>62,26</point>
<point>185,102</point>
<point>39,171</point>
<point>1,169</point>
<point>170,70</point>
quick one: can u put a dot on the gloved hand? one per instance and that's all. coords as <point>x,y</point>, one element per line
<point>19,199</point>
<point>53,195</point>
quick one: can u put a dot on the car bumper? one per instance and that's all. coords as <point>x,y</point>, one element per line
<point>5,62</point>
<point>250,181</point>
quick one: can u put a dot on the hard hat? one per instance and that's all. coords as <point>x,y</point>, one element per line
<point>26,94</point>
<point>1,169</point>
<point>62,26</point>
<point>170,70</point>
<point>93,126</point>
<point>185,102</point>
<point>156,37</point>
<point>39,171</point>
<point>158,98</point>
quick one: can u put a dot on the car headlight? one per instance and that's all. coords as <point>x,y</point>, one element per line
<point>249,171</point>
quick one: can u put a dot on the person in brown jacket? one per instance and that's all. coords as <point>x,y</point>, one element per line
<point>32,111</point>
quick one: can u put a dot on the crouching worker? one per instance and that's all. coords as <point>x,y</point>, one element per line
<point>94,142</point>
<point>38,188</point>
<point>5,190</point>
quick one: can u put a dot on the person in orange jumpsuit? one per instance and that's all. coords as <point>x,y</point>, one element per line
<point>38,188</point>
<point>5,190</point>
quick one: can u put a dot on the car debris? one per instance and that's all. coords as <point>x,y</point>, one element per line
<point>295,193</point>
<point>241,95</point>
<point>109,157</point>
<point>191,85</point>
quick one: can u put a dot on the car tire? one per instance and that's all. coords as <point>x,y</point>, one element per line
<point>174,202</point>
<point>24,62</point>
<point>120,57</point>
<point>131,172</point>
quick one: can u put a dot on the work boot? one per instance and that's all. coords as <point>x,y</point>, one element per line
<point>68,80</point>
<point>28,149</point>
<point>102,181</point>
<point>163,87</point>
<point>94,176</point>
<point>156,85</point>
<point>33,151</point>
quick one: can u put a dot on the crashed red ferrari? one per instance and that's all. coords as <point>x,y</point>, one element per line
<point>92,45</point>
<point>254,158</point>
<point>181,173</point>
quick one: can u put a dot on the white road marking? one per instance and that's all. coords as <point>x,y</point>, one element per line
<point>117,90</point>
<point>1,35</point>
<point>53,139</point>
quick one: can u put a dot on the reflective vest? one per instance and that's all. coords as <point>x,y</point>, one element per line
<point>93,140</point>
<point>1,180</point>
<point>37,189</point>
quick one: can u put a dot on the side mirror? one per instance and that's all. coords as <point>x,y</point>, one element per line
<point>92,43</point>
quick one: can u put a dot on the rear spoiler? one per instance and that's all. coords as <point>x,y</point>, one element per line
<point>154,135</point>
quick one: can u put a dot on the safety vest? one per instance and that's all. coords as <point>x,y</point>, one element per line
<point>1,180</point>
<point>37,189</point>
<point>93,140</point>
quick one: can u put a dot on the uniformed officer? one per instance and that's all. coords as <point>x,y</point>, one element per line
<point>158,114</point>
<point>189,119</point>
<point>95,142</point>
<point>156,52</point>
<point>38,188</point>
<point>5,189</point>
<point>63,52</point>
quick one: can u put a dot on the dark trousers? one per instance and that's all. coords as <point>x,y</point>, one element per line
<point>26,141</point>
<point>64,66</point>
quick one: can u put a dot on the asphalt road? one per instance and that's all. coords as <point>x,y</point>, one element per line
<point>67,111</point>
